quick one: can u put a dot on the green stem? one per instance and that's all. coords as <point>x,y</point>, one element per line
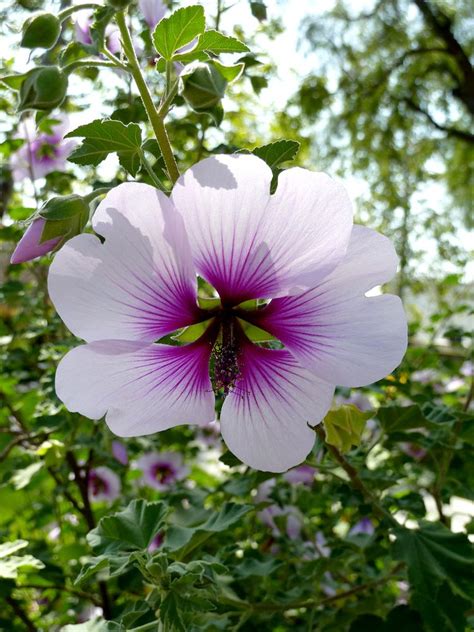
<point>114,59</point>
<point>155,119</point>
<point>96,192</point>
<point>165,105</point>
<point>151,173</point>
<point>87,63</point>
<point>63,15</point>
<point>356,481</point>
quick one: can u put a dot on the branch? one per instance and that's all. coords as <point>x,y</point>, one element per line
<point>21,614</point>
<point>441,25</point>
<point>450,131</point>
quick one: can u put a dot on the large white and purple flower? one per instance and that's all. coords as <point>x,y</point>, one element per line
<point>42,152</point>
<point>297,250</point>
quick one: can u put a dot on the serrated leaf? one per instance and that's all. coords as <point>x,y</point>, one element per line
<point>212,42</point>
<point>177,30</point>
<point>102,137</point>
<point>274,154</point>
<point>438,562</point>
<point>345,425</point>
<point>398,418</point>
<point>178,537</point>
<point>131,529</point>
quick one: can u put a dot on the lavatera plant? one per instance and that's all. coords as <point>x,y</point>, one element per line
<point>223,289</point>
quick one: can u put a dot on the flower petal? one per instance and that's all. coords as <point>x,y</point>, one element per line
<point>141,388</point>
<point>30,247</point>
<point>138,285</point>
<point>337,332</point>
<point>249,244</point>
<point>264,419</point>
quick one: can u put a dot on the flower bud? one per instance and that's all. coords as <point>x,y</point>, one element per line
<point>43,88</point>
<point>202,86</point>
<point>41,31</point>
<point>58,220</point>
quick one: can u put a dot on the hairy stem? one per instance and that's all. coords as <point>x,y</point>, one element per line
<point>154,117</point>
<point>355,479</point>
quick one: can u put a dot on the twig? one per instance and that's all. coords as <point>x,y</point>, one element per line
<point>21,614</point>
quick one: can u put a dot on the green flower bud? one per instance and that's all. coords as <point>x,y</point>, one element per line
<point>64,207</point>
<point>43,88</point>
<point>202,86</point>
<point>41,31</point>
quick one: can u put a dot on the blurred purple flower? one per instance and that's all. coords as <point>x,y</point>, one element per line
<point>104,485</point>
<point>82,27</point>
<point>413,450</point>
<point>153,11</point>
<point>363,527</point>
<point>29,246</point>
<point>289,515</point>
<point>119,452</point>
<point>301,474</point>
<point>467,369</point>
<point>356,398</point>
<point>317,547</point>
<point>161,469</point>
<point>424,376</point>
<point>41,152</point>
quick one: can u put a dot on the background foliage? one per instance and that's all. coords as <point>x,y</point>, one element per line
<point>376,537</point>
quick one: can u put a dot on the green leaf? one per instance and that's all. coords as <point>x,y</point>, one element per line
<point>130,529</point>
<point>230,73</point>
<point>212,42</point>
<point>94,625</point>
<point>178,537</point>
<point>177,30</point>
<point>345,425</point>
<point>101,18</point>
<point>22,478</point>
<point>13,81</point>
<point>440,563</point>
<point>102,137</point>
<point>11,564</point>
<point>398,418</point>
<point>7,548</point>
<point>278,152</point>
<point>259,10</point>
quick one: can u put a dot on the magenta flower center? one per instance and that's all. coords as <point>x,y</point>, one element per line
<point>163,472</point>
<point>97,485</point>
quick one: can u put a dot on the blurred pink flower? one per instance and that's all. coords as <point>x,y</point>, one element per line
<point>424,376</point>
<point>161,470</point>
<point>357,399</point>
<point>42,152</point>
<point>104,484</point>
<point>156,542</point>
